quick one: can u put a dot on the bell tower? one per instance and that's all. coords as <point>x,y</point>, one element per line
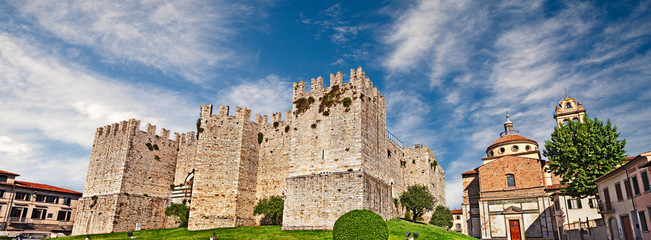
<point>568,109</point>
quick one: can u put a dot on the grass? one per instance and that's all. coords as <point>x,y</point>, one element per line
<point>397,230</point>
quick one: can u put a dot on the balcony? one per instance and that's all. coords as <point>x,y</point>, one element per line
<point>606,207</point>
<point>17,219</point>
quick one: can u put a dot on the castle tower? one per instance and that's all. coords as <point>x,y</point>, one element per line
<point>568,109</point>
<point>338,153</point>
<point>225,169</point>
<point>128,180</point>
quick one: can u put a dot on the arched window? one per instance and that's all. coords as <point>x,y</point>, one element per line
<point>510,180</point>
<point>566,122</point>
<point>575,119</point>
<point>568,105</point>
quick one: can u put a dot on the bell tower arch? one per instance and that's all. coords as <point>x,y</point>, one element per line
<point>568,109</point>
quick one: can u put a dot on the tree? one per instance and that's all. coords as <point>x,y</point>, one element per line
<point>180,210</point>
<point>418,200</point>
<point>441,217</point>
<point>272,208</point>
<point>582,152</point>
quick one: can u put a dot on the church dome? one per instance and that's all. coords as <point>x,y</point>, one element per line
<point>511,143</point>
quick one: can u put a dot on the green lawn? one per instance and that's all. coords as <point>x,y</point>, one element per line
<point>397,230</point>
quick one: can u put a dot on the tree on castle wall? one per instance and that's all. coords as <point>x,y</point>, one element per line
<point>582,152</point>
<point>417,200</point>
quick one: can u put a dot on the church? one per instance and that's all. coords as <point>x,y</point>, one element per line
<point>512,195</point>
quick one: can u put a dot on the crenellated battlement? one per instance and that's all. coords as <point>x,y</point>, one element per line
<point>276,117</point>
<point>357,78</point>
<point>206,110</point>
<point>123,127</point>
<point>242,113</point>
<point>223,111</point>
<point>261,120</point>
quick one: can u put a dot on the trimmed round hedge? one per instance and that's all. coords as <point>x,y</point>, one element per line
<point>360,224</point>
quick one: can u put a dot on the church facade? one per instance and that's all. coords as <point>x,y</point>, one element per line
<point>513,195</point>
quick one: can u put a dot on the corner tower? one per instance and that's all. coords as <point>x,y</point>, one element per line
<point>568,109</point>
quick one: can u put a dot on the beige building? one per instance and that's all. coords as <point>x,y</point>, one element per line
<point>33,208</point>
<point>331,153</point>
<point>619,189</point>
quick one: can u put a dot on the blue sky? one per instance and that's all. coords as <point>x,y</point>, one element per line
<point>449,70</point>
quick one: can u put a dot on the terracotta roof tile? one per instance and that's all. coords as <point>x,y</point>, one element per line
<point>456,211</point>
<point>8,173</point>
<point>509,138</point>
<point>469,172</point>
<point>44,187</point>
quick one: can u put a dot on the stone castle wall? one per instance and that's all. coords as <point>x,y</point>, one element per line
<point>225,170</point>
<point>126,162</point>
<point>331,154</point>
<point>273,157</point>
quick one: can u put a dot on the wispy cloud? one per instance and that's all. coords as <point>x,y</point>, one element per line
<point>268,95</point>
<point>487,59</point>
<point>185,39</point>
<point>46,99</point>
<point>333,22</point>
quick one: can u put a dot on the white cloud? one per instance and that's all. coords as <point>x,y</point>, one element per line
<point>334,22</point>
<point>172,36</point>
<point>11,147</point>
<point>50,104</point>
<point>268,95</point>
<point>453,191</point>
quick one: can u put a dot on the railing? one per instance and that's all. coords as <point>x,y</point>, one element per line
<point>394,139</point>
<point>17,219</point>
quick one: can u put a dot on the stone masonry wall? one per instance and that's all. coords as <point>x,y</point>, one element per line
<point>185,160</point>
<point>223,149</point>
<point>147,211</point>
<point>320,198</point>
<point>125,160</point>
<point>95,214</point>
<point>151,164</point>
<point>273,156</point>
<point>108,157</point>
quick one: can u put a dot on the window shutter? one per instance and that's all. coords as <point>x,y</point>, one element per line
<point>569,203</point>
<point>578,203</point>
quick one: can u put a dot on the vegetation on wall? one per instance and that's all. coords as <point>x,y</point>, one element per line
<point>199,128</point>
<point>272,209</point>
<point>260,137</point>
<point>149,146</point>
<point>302,105</point>
<point>181,211</point>
<point>330,98</point>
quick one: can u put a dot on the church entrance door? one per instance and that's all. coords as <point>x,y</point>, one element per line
<point>514,228</point>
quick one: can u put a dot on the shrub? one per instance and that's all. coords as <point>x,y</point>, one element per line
<point>287,128</point>
<point>276,124</point>
<point>330,98</point>
<point>347,102</point>
<point>360,224</point>
<point>179,210</point>
<point>302,105</point>
<point>326,113</point>
<point>272,208</point>
<point>313,125</point>
<point>260,138</point>
<point>441,217</point>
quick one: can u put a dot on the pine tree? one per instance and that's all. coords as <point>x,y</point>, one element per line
<point>582,152</point>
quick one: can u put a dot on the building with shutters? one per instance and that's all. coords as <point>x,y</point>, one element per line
<point>35,208</point>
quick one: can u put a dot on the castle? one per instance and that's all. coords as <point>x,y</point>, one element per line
<point>331,154</point>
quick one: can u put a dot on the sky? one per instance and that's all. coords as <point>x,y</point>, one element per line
<point>449,70</point>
